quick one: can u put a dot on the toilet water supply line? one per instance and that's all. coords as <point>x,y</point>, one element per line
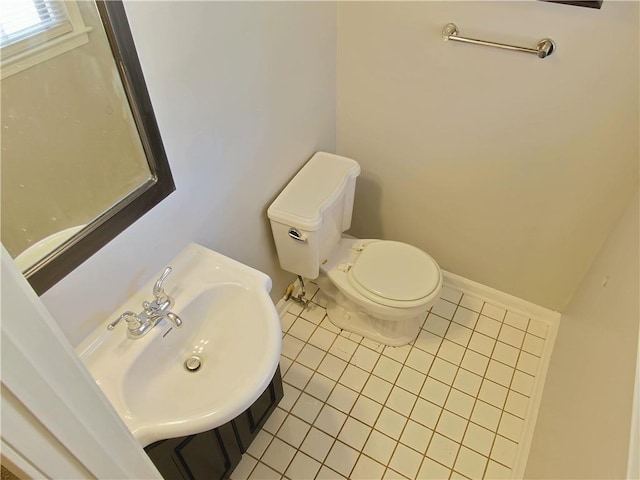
<point>288,294</point>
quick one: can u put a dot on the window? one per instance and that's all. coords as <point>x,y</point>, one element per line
<point>33,31</point>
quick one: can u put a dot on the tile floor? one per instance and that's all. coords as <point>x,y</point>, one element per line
<point>450,405</point>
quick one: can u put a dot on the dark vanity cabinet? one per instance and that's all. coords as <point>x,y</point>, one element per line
<point>214,454</point>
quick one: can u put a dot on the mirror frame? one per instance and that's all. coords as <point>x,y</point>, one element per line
<point>64,259</point>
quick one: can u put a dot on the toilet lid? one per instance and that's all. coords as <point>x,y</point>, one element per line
<point>395,271</point>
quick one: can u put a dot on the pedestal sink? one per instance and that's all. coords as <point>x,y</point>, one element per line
<point>181,381</point>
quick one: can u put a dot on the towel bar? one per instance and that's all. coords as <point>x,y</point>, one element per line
<point>544,47</point>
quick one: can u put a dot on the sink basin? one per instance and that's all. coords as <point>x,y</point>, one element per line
<point>180,381</point>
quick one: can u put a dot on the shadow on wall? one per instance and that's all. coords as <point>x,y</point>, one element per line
<point>366,221</point>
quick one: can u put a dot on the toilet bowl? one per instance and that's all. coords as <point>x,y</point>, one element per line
<point>379,289</point>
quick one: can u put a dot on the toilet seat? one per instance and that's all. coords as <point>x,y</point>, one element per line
<point>394,273</point>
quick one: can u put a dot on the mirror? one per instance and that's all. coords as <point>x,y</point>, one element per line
<point>82,157</point>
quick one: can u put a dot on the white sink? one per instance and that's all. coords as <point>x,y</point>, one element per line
<point>229,323</point>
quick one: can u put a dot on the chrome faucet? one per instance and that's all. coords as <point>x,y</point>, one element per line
<point>140,324</point>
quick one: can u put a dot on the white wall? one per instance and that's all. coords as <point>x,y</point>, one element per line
<point>509,170</point>
<point>244,94</point>
<point>585,417</point>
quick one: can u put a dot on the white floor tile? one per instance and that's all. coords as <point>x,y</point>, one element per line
<point>426,413</point>
<point>406,461</point>
<point>516,320</point>
<point>377,389</point>
<point>444,308</point>
<point>365,358</point>
<point>411,380</point>
<point>470,463</point>
<point>342,458</point>
<point>310,356</point>
<point>366,410</point>
<point>488,326</point>
<point>322,338</point>
<point>354,378</point>
<point>486,415</point>
<point>528,363</point>
<point>291,395</point>
<point>275,421</point>
<point>510,427</point>
<point>460,403</point>
<point>399,354</point>
<point>390,422</point>
<point>401,401</point>
<point>504,451</point>
<point>307,407</point>
<point>354,433</point>
<point>278,455</point>
<point>291,346</point>
<point>286,321</point>
<point>313,313</point>
<point>427,341</point>
<point>522,383</point>
<point>451,425</point>
<point>443,371</point>
<point>317,444</point>
<point>458,334</point>
<point>330,420</point>
<point>419,360</point>
<point>416,436</point>
<point>479,439</point>
<point>436,325</point>
<point>431,470</point>
<point>511,336</point>
<point>387,369</point>
<point>493,311</point>
<point>472,303</point>
<point>451,352</point>
<point>493,393</point>
<point>475,362</point>
<point>320,386</point>
<point>262,472</point>
<point>435,391</point>
<point>302,329</point>
<point>260,444</point>
<point>517,404</point>
<point>443,450</point>
<point>332,367</point>
<point>506,354</point>
<point>293,431</point>
<point>467,382</point>
<point>303,467</point>
<point>342,398</point>
<point>499,373</point>
<point>466,317</point>
<point>482,344</point>
<point>380,447</point>
<point>326,473</point>
<point>244,468</point>
<point>538,328</point>
<point>298,375</point>
<point>367,469</point>
<point>533,344</point>
<point>495,471</point>
<point>343,348</point>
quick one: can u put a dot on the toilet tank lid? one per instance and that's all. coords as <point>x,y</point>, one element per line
<point>318,183</point>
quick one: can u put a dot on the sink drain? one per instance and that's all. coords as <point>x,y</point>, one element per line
<point>193,364</point>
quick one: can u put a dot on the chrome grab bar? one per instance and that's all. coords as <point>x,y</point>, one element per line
<point>544,47</point>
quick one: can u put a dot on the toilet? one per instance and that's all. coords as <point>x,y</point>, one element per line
<point>378,289</point>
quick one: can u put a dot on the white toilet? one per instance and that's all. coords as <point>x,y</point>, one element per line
<point>376,288</point>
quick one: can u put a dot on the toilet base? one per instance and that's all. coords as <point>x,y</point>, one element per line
<point>392,333</point>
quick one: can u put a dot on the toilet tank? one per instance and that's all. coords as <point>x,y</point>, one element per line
<point>310,214</point>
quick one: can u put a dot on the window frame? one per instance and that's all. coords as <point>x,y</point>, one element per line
<point>47,44</point>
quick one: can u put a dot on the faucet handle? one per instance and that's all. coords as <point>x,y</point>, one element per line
<point>158,291</point>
